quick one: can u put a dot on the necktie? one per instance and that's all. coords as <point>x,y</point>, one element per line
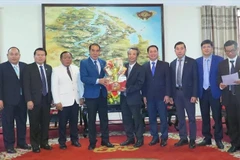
<point>129,70</point>
<point>16,71</point>
<point>153,68</point>
<point>69,73</point>
<point>95,62</point>
<point>179,76</point>
<point>206,74</point>
<point>231,87</point>
<point>44,84</point>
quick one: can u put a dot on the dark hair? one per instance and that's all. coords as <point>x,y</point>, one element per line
<point>151,47</point>
<point>12,48</point>
<point>93,44</point>
<point>229,43</point>
<point>207,41</point>
<point>179,43</point>
<point>135,49</point>
<point>61,55</point>
<point>40,49</point>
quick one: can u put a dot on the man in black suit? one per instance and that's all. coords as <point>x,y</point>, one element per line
<point>156,93</point>
<point>231,93</point>
<point>131,100</point>
<point>12,102</point>
<point>95,94</point>
<point>184,76</point>
<point>37,91</point>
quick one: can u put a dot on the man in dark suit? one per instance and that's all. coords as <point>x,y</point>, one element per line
<point>131,100</point>
<point>209,94</point>
<point>184,89</point>
<point>231,93</point>
<point>95,94</point>
<point>37,91</point>
<point>156,93</point>
<point>12,102</point>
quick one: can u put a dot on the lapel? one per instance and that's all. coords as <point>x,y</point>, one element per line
<point>225,67</point>
<point>174,70</point>
<point>201,67</point>
<point>149,68</point>
<point>11,69</point>
<point>185,66</point>
<point>36,69</point>
<point>132,71</point>
<point>237,67</point>
<point>101,66</point>
<point>92,65</point>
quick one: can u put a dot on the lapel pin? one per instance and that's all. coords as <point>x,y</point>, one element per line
<point>185,61</point>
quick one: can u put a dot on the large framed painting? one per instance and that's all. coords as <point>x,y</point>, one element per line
<point>115,27</point>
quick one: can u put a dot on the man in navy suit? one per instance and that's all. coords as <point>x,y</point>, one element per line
<point>156,93</point>
<point>209,94</point>
<point>131,100</point>
<point>95,94</point>
<point>231,93</point>
<point>184,90</point>
<point>12,101</point>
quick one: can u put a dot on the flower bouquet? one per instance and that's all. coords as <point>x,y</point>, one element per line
<point>115,74</point>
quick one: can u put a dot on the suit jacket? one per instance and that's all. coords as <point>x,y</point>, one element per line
<point>134,84</point>
<point>189,77</point>
<point>89,76</point>
<point>10,85</point>
<point>215,90</point>
<point>32,83</point>
<point>223,69</point>
<point>65,90</point>
<point>157,86</point>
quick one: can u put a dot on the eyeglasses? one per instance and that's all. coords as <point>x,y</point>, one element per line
<point>233,50</point>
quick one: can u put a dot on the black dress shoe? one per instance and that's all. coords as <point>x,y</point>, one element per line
<point>163,142</point>
<point>192,144</point>
<point>181,142</point>
<point>232,149</point>
<point>127,142</point>
<point>25,146</point>
<point>36,149</point>
<point>204,142</point>
<point>107,144</point>
<point>11,150</point>
<point>153,142</point>
<point>76,144</point>
<point>91,147</point>
<point>62,146</point>
<point>46,146</point>
<point>138,144</point>
<point>219,144</point>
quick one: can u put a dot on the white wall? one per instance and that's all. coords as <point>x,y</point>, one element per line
<point>21,26</point>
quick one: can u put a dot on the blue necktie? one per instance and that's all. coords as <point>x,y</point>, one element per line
<point>206,75</point>
<point>153,68</point>
<point>231,87</point>
<point>44,84</point>
<point>95,62</point>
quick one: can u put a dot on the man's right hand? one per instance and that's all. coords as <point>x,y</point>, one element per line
<point>30,105</point>
<point>103,81</point>
<point>145,101</point>
<point>59,106</point>
<point>1,105</point>
<point>222,86</point>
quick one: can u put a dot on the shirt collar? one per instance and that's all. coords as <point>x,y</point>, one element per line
<point>131,65</point>
<point>183,59</point>
<point>93,60</point>
<point>13,65</point>
<point>208,58</point>
<point>233,59</point>
<point>154,61</point>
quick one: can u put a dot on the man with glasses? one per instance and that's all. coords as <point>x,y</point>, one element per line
<point>231,93</point>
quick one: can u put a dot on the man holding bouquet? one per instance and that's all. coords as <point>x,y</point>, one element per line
<point>131,100</point>
<point>95,94</point>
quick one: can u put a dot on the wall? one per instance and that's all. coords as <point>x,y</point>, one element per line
<point>21,26</point>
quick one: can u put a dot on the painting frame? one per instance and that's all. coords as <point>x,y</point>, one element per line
<point>143,15</point>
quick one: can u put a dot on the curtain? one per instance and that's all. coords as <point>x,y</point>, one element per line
<point>219,24</point>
